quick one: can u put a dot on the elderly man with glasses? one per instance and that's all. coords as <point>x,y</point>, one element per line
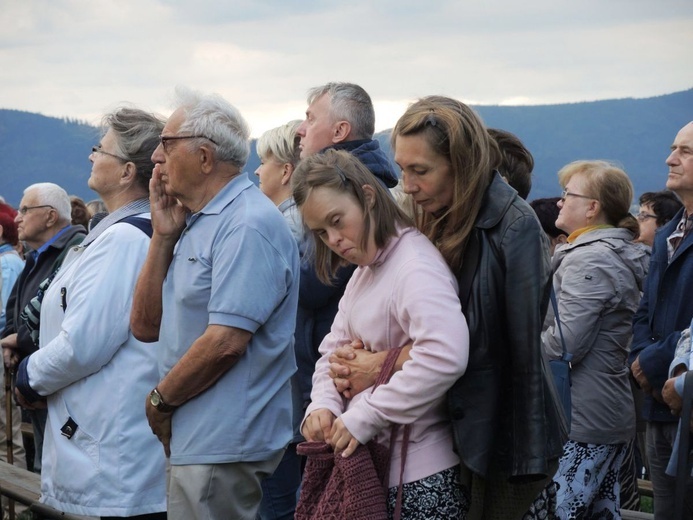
<point>665,311</point>
<point>43,223</point>
<point>219,290</point>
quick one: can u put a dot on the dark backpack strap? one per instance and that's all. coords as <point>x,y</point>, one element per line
<point>683,470</point>
<point>74,241</point>
<point>143,224</point>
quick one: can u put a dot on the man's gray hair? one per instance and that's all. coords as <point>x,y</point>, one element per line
<point>218,120</point>
<point>348,102</point>
<point>50,194</point>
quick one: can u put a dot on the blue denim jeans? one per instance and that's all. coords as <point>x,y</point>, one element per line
<point>280,490</point>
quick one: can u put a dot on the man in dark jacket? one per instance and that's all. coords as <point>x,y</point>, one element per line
<point>43,223</point>
<point>339,116</point>
<point>665,310</point>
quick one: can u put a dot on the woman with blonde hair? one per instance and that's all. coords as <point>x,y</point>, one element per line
<point>597,282</point>
<point>278,151</point>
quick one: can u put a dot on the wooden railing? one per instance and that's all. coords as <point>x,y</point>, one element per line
<point>28,493</point>
<point>24,487</point>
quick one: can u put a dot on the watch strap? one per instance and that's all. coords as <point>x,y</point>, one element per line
<point>158,402</point>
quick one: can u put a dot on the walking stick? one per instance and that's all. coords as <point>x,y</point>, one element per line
<point>8,428</point>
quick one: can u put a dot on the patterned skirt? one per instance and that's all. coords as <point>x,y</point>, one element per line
<point>588,481</point>
<point>438,497</point>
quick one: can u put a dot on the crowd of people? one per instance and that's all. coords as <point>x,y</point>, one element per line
<point>176,340</point>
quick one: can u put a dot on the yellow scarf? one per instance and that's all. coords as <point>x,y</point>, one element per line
<point>573,236</point>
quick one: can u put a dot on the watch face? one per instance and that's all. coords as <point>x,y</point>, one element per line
<point>155,398</point>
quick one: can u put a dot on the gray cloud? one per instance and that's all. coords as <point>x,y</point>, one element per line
<point>78,58</point>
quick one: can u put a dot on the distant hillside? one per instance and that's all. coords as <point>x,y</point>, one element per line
<point>636,133</point>
<point>35,148</point>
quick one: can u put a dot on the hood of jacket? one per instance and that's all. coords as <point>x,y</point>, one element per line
<point>368,151</point>
<point>634,256</point>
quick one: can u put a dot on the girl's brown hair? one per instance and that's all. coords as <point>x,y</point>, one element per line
<point>342,172</point>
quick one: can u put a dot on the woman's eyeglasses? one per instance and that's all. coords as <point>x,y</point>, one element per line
<point>565,194</point>
<point>642,217</point>
<point>98,149</point>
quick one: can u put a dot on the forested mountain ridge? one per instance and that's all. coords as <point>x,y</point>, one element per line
<point>635,133</point>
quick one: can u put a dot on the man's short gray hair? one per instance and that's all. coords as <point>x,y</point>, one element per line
<point>50,194</point>
<point>348,102</point>
<point>219,121</point>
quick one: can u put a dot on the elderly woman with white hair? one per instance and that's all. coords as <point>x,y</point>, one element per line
<point>279,152</point>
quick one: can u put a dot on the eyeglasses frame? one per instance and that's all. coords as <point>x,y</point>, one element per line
<point>642,216</point>
<point>98,149</point>
<point>163,139</point>
<point>565,194</point>
<point>25,209</point>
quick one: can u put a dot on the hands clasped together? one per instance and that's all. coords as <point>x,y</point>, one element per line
<point>668,395</point>
<point>352,369</point>
<point>11,359</point>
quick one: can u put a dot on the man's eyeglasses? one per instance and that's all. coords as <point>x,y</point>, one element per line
<point>565,194</point>
<point>166,138</point>
<point>98,149</point>
<point>642,217</point>
<point>25,209</point>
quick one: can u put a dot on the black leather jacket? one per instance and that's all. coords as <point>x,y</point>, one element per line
<point>505,416</point>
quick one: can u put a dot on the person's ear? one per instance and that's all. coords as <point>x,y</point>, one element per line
<point>287,171</point>
<point>129,172</point>
<point>593,209</point>
<point>341,131</point>
<point>52,218</point>
<point>561,239</point>
<point>369,193</point>
<point>206,158</point>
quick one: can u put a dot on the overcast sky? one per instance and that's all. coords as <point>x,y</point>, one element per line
<point>81,58</point>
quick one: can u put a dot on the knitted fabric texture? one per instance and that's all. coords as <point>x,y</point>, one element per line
<point>352,488</point>
<point>338,488</point>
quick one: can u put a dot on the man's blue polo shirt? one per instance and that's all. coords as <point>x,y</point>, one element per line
<point>236,264</point>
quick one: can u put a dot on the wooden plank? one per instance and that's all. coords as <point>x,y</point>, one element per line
<point>635,515</point>
<point>645,487</point>
<point>25,487</point>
